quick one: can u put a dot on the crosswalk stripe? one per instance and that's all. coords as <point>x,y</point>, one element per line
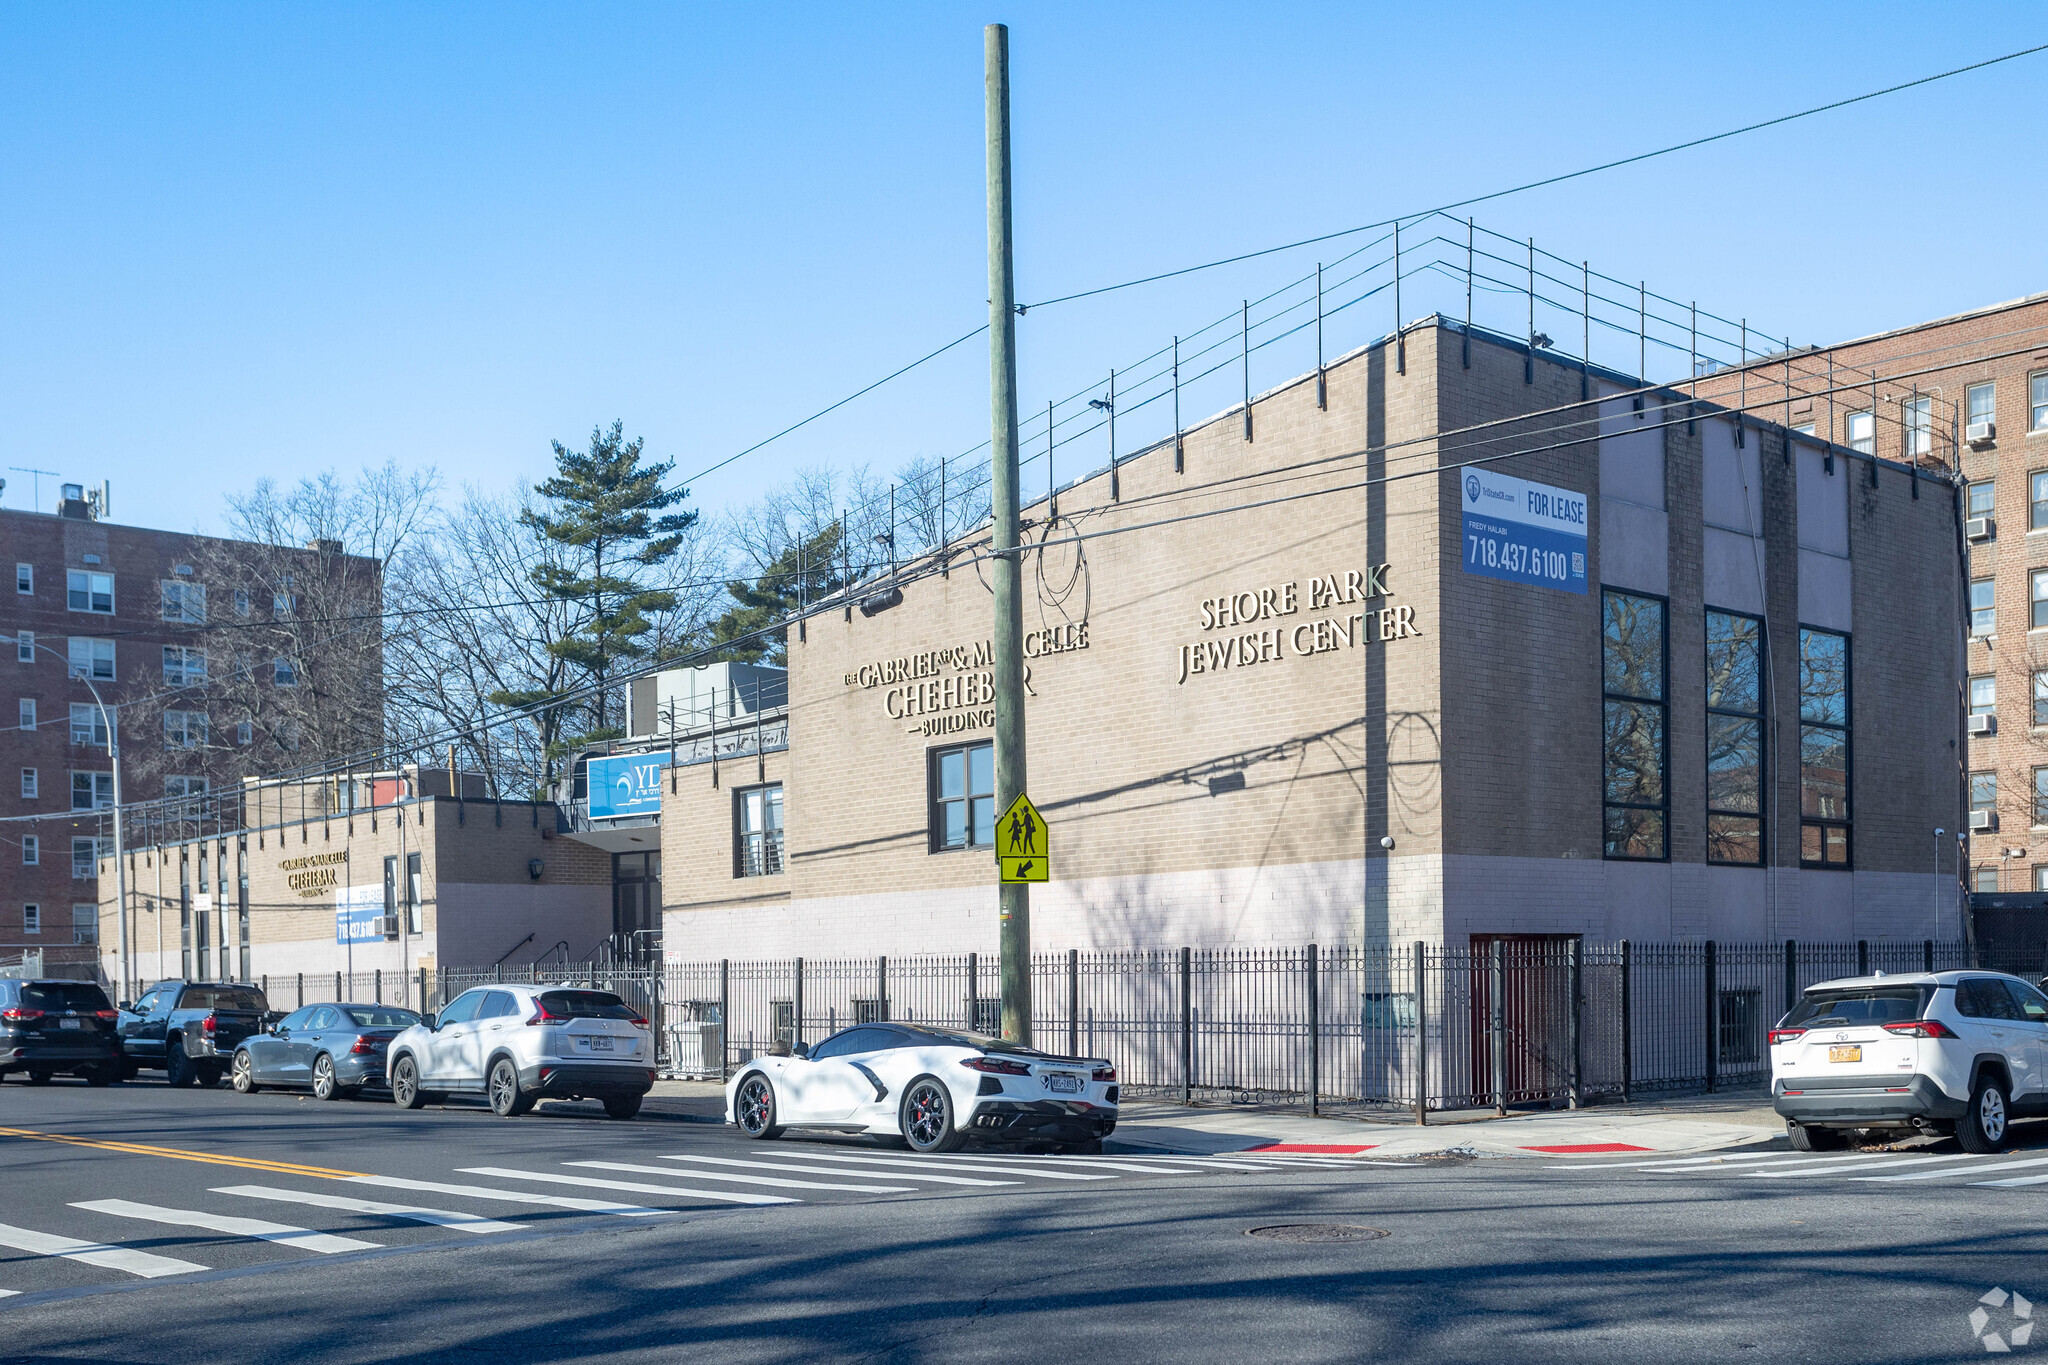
<point>986,1170</point>
<point>839,1170</point>
<point>461,1222</point>
<point>8,1293</point>
<point>632,1187</point>
<point>1225,1163</point>
<point>305,1239</point>
<point>146,1264</point>
<point>1774,1173</point>
<point>2014,1182</point>
<point>559,1201</point>
<point>1971,1170</point>
<point>1120,1166</point>
<point>1669,1165</point>
<point>747,1179</point>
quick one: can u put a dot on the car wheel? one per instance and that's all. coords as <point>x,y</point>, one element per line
<point>210,1074</point>
<point>1981,1129</point>
<point>245,1074</point>
<point>405,1084</point>
<point>622,1106</point>
<point>1807,1138</point>
<point>178,1068</point>
<point>102,1076</point>
<point>39,1077</point>
<point>325,1087</point>
<point>506,1101</point>
<point>927,1117</point>
<point>754,1107</point>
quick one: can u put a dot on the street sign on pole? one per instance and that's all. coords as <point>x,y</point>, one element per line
<point>1023,851</point>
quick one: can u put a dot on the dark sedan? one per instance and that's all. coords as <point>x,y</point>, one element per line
<point>334,1050</point>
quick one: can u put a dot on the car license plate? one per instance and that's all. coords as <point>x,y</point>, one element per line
<point>597,1044</point>
<point>1852,1053</point>
<point>1062,1084</point>
<point>71,1023</point>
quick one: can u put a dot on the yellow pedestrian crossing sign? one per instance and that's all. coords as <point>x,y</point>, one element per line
<point>1022,849</point>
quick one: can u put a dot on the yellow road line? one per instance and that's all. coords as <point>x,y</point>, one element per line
<point>139,1149</point>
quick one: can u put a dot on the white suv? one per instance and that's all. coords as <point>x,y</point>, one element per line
<point>1962,1052</point>
<point>519,1045</point>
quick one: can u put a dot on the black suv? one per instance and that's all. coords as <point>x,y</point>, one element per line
<point>48,1026</point>
<point>190,1028</point>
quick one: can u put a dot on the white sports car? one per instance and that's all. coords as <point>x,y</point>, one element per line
<point>932,1087</point>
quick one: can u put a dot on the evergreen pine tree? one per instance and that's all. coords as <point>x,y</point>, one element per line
<point>806,572</point>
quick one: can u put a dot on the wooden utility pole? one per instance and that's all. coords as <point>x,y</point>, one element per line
<point>1014,899</point>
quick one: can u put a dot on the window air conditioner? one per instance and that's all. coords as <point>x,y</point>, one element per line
<point>387,925</point>
<point>1980,433</point>
<point>1978,528</point>
<point>1985,724</point>
<point>1983,821</point>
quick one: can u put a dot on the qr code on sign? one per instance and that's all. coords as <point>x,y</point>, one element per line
<point>1578,563</point>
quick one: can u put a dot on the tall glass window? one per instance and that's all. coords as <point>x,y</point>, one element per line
<point>1983,607</point>
<point>1735,738</point>
<point>1983,497</point>
<point>757,832</point>
<point>1862,433</point>
<point>2037,402</point>
<point>1979,402</point>
<point>1919,413</point>
<point>1984,695</point>
<point>1632,670</point>
<point>963,797</point>
<point>1823,748</point>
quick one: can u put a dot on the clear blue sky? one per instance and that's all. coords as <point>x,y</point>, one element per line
<point>247,240</point>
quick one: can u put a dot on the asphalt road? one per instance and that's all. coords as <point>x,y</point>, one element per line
<point>1491,1259</point>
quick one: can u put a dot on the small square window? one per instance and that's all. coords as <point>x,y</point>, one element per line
<point>1983,495</point>
<point>92,791</point>
<point>285,673</point>
<point>25,579</point>
<point>1984,880</point>
<point>91,658</point>
<point>31,850</point>
<point>1983,695</point>
<point>31,919</point>
<point>88,591</point>
<point>29,784</point>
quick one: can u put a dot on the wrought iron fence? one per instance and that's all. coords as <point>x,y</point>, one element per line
<point>1413,1028</point>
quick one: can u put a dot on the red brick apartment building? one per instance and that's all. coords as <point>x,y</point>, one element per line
<point>202,651</point>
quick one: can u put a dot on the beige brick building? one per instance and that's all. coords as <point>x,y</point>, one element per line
<point>1281,691</point>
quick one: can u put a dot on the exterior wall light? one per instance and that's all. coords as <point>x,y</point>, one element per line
<point>534,867</point>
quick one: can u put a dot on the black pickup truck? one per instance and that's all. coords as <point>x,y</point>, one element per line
<point>189,1029</point>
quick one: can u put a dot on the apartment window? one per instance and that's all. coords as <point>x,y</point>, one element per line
<point>2037,599</point>
<point>90,658</point>
<point>1978,404</point>
<point>391,887</point>
<point>1919,415</point>
<point>184,729</point>
<point>92,791</point>
<point>24,646</point>
<point>2041,699</point>
<point>27,713</point>
<point>31,919</point>
<point>184,602</point>
<point>284,673</point>
<point>1983,791</point>
<point>1803,429</point>
<point>1735,738</point>
<point>1862,433</point>
<point>1633,658</point>
<point>1984,694</point>
<point>1983,495</point>
<point>757,832</point>
<point>88,724</point>
<point>962,782</point>
<point>242,912</point>
<point>85,857</point>
<point>1984,880</point>
<point>281,604</point>
<point>2037,402</point>
<point>415,892</point>
<point>25,579</point>
<point>2041,877</point>
<point>186,786</point>
<point>85,923</point>
<point>2041,796</point>
<point>1823,748</point>
<point>245,732</point>
<point>29,785</point>
<point>1983,607</point>
<point>184,665</point>
<point>31,850</point>
<point>89,591</point>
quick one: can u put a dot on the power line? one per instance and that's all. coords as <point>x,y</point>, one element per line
<point>1546,181</point>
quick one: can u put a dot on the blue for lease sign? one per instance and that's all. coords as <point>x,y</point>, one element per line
<point>1524,532</point>
<point>628,784</point>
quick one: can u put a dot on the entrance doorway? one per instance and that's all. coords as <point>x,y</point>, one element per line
<point>636,906</point>
<point>1521,1013</point>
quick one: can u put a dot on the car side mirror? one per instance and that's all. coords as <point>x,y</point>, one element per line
<point>127,1006</point>
<point>280,1031</point>
<point>432,1022</point>
<point>799,1049</point>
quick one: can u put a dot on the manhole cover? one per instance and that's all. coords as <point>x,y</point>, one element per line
<point>1316,1232</point>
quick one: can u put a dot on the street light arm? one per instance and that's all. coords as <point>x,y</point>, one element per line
<point>107,719</point>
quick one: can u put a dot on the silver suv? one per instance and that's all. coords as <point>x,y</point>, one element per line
<point>518,1045</point>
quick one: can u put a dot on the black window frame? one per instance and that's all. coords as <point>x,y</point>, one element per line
<point>1609,699</point>
<point>1758,719</point>
<point>773,859</point>
<point>1846,825</point>
<point>1983,789</point>
<point>935,804</point>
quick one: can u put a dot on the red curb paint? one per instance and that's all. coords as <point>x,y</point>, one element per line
<point>1326,1148</point>
<point>1573,1147</point>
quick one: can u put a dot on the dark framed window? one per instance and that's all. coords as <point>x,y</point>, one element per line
<point>1983,790</point>
<point>2041,699</point>
<point>757,831</point>
<point>1824,753</point>
<point>962,784</point>
<point>1983,607</point>
<point>2041,796</point>
<point>2037,599</point>
<point>2037,500</point>
<point>414,892</point>
<point>1984,880</point>
<point>1984,694</point>
<point>1634,650</point>
<point>1735,738</point>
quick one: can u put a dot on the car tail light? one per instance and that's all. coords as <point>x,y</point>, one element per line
<point>991,1064</point>
<point>18,1015</point>
<point>363,1046</point>
<point>1920,1028</point>
<point>543,1015</point>
<point>637,1021</point>
<point>208,1024</point>
<point>108,1015</point>
<point>1103,1073</point>
<point>1785,1035</point>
